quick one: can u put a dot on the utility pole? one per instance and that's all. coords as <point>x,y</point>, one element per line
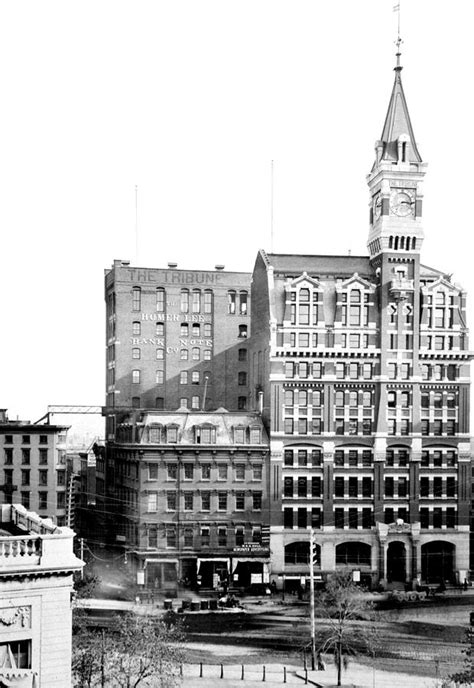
<point>311,598</point>
<point>81,541</point>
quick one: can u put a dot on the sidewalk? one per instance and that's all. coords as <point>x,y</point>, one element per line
<point>356,676</point>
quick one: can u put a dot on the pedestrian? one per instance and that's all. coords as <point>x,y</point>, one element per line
<point>320,663</point>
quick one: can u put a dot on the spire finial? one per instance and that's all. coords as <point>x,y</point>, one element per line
<point>398,42</point>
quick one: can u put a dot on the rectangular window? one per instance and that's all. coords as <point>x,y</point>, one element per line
<point>339,518</point>
<point>367,487</point>
<point>339,486</point>
<point>257,471</point>
<point>171,501</point>
<point>61,478</point>
<point>136,299</point>
<point>239,470</point>
<point>61,500</point>
<point>402,487</point>
<point>43,456</point>
<point>188,501</point>
<point>205,536</point>
<point>257,501</point>
<point>152,504</point>
<point>240,501</point>
<point>367,518</point>
<point>302,487</point>
<point>437,517</point>
<point>222,536</point>
<point>389,487</point>
<point>42,501</point>
<point>353,487</point>
<point>205,501</point>
<point>222,501</point>
<point>25,456</point>
<point>450,517</point>
<point>8,456</point>
<point>315,486</point>
<point>302,516</point>
<point>43,477</point>
<point>424,518</point>
<point>222,471</point>
<point>205,471</point>
<point>171,471</point>
<point>353,518</point>
<point>288,518</point>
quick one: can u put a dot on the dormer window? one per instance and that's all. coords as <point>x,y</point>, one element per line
<point>239,435</point>
<point>154,434</point>
<point>255,435</point>
<point>172,434</point>
<point>205,434</point>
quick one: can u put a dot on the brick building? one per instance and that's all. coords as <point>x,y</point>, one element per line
<point>36,567</point>
<point>365,372</point>
<point>175,339</point>
<point>190,496</point>
<point>34,466</point>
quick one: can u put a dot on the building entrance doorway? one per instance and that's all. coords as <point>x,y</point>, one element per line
<point>396,562</point>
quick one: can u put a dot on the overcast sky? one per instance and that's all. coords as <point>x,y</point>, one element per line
<point>190,101</point>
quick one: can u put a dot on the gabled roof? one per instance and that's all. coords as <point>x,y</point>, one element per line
<point>397,124</point>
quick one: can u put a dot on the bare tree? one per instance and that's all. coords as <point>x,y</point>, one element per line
<point>144,647</point>
<point>341,604</point>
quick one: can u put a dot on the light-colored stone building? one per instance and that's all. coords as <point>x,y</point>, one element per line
<point>36,567</point>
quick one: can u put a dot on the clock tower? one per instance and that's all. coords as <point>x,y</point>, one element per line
<point>395,182</point>
<point>395,239</point>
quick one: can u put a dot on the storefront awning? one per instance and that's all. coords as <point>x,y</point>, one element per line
<point>160,561</point>
<point>243,560</point>
<point>213,559</point>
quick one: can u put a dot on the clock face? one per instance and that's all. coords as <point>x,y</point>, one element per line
<point>402,202</point>
<point>377,206</point>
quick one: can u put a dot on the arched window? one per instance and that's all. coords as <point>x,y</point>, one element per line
<point>136,299</point>
<point>136,328</point>
<point>353,554</point>
<point>231,299</point>
<point>355,295</point>
<point>196,330</point>
<point>208,301</point>
<point>160,300</point>
<point>159,377</point>
<point>184,301</point>
<point>196,301</point>
<point>243,300</point>
<point>207,330</point>
<point>136,352</point>
<point>184,330</point>
<point>160,329</point>
<point>196,354</point>
<point>242,378</point>
<point>297,553</point>
<point>183,354</point>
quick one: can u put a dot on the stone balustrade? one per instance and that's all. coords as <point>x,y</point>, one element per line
<point>20,550</point>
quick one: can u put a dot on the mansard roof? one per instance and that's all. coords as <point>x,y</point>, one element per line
<point>296,265</point>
